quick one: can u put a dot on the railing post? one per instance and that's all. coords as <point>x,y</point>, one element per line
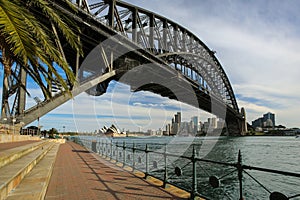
<point>166,165</point>
<point>133,152</point>
<point>117,152</point>
<point>240,174</point>
<point>194,184</point>
<point>106,149</point>
<point>94,146</point>
<point>124,154</point>
<point>111,150</point>
<point>101,147</point>
<point>147,161</point>
<point>98,146</point>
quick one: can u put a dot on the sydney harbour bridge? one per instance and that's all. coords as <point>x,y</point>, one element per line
<point>137,47</point>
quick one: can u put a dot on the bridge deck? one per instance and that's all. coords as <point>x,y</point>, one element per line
<point>79,174</point>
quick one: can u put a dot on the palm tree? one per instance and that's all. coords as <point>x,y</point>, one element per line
<point>27,41</point>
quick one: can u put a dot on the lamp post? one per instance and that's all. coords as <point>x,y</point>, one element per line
<point>5,122</point>
<point>13,121</point>
<point>38,131</point>
<point>21,130</point>
<point>38,101</point>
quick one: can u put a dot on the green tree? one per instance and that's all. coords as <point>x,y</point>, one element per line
<point>52,132</point>
<point>26,39</point>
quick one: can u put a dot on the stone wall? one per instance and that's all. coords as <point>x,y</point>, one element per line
<point>12,134</point>
<point>16,138</point>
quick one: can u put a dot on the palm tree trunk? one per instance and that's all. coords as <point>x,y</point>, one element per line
<point>5,92</point>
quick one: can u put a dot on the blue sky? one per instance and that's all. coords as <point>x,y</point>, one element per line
<point>257,42</point>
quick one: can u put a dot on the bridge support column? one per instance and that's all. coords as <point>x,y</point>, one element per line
<point>244,122</point>
<point>234,126</point>
<point>151,37</point>
<point>22,93</point>
<point>134,25</point>
<point>111,17</point>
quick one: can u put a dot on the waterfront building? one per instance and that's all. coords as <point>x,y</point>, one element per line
<point>176,121</point>
<point>267,121</point>
<point>191,127</point>
<point>175,128</point>
<point>179,118</point>
<point>159,132</point>
<point>176,118</point>
<point>184,129</point>
<point>212,122</point>
<point>269,118</point>
<point>168,129</point>
<point>151,132</point>
<point>258,123</point>
<point>195,124</point>
<point>205,127</point>
<point>31,130</point>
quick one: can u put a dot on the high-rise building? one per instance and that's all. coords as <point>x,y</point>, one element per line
<point>175,128</point>
<point>196,124</point>
<point>269,117</point>
<point>205,127</point>
<point>168,129</point>
<point>212,122</point>
<point>179,118</point>
<point>258,122</point>
<point>176,118</point>
<point>268,120</point>
<point>184,129</point>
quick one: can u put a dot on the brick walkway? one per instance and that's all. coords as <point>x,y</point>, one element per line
<point>10,145</point>
<point>79,174</point>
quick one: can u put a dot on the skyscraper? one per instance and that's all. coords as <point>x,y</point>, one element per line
<point>269,116</point>
<point>176,118</point>
<point>196,124</point>
<point>176,121</point>
<point>268,120</point>
<point>179,117</point>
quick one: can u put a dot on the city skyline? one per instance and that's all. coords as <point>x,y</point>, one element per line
<point>253,41</point>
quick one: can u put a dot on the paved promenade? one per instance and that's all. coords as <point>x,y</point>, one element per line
<point>79,174</point>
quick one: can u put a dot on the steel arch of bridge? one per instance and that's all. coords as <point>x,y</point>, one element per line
<point>157,38</point>
<point>170,41</point>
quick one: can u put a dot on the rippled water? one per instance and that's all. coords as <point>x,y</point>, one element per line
<point>280,153</point>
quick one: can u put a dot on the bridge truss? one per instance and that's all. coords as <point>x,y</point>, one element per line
<point>136,37</point>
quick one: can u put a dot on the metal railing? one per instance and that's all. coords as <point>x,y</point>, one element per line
<point>131,154</point>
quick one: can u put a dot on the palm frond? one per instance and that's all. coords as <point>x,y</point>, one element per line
<point>26,40</point>
<point>57,20</point>
<point>49,52</point>
<point>14,30</point>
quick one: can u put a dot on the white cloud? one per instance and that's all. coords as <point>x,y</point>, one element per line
<point>258,44</point>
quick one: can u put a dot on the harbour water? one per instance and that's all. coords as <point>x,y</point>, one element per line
<point>279,153</point>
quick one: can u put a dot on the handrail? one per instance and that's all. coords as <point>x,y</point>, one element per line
<point>106,148</point>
